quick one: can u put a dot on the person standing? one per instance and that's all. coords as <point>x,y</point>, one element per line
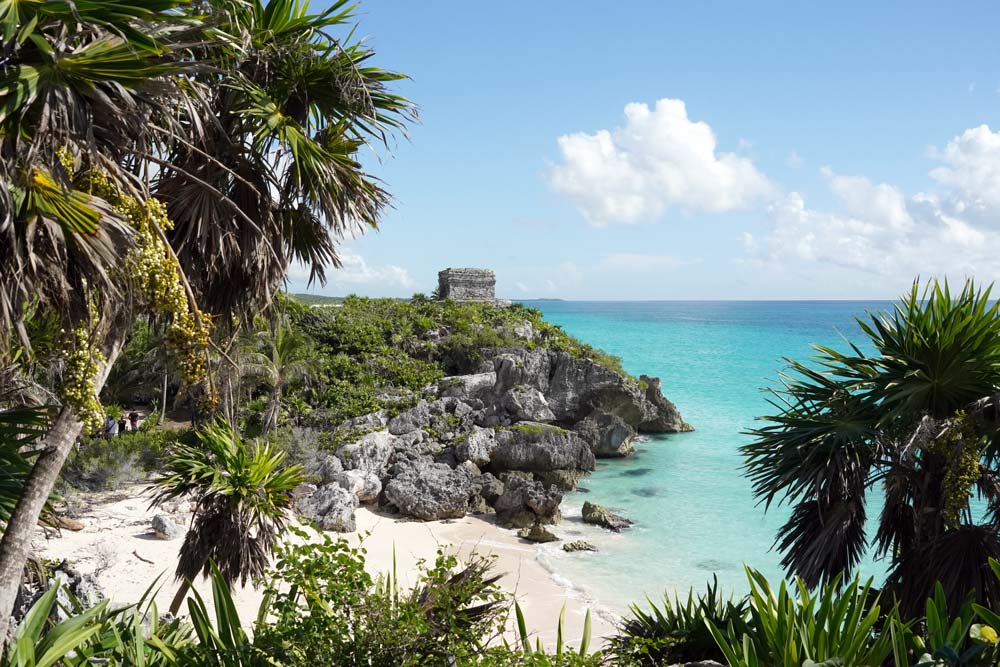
<point>110,427</point>
<point>121,425</point>
<point>133,421</point>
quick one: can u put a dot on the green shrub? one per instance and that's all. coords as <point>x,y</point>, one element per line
<point>107,465</point>
<point>675,631</point>
<point>840,624</point>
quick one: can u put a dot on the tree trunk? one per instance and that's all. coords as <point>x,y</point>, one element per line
<point>15,544</point>
<point>163,405</point>
<point>273,411</point>
<point>175,604</point>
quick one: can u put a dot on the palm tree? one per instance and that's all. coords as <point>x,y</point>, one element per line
<point>276,361</point>
<point>247,126</point>
<point>917,418</point>
<point>242,493</point>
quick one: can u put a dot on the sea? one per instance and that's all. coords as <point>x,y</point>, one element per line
<point>695,515</point>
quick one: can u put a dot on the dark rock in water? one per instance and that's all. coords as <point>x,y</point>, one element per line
<point>608,435</point>
<point>712,564</point>
<point>646,492</point>
<point>637,472</point>
<point>537,533</point>
<point>602,516</point>
<point>582,489</point>
<point>578,545</point>
<point>525,503</point>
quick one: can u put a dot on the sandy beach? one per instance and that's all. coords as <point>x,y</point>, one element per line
<point>118,543</point>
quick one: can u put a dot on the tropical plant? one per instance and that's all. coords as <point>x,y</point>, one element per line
<point>276,360</point>
<point>105,104</point>
<point>19,431</point>
<point>794,627</point>
<point>242,492</point>
<point>918,417</point>
<point>675,631</point>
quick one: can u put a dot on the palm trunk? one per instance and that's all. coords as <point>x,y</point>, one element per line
<point>163,405</point>
<point>273,410</point>
<point>175,604</point>
<point>15,544</point>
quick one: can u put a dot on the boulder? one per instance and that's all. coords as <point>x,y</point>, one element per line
<point>530,447</point>
<point>537,533</point>
<point>602,516</point>
<point>578,545</point>
<point>526,403</point>
<point>373,421</point>
<point>522,366</point>
<point>564,479</point>
<point>365,485</point>
<point>608,435</point>
<point>331,507</point>
<point>664,417</point>
<point>303,490</point>
<point>488,487</point>
<point>524,503</point>
<point>477,446</point>
<point>430,491</point>
<point>371,453</point>
<point>322,467</point>
<point>165,528</point>
<point>414,419</point>
<point>467,386</point>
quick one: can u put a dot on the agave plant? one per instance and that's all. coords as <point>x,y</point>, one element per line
<point>242,493</point>
<point>675,631</point>
<point>792,627</point>
<point>917,417</point>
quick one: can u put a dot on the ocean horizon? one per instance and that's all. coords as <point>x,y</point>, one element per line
<point>694,512</point>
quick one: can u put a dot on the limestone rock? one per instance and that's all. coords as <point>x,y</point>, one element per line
<point>303,490</point>
<point>524,503</point>
<point>566,480</point>
<point>578,545</point>
<point>365,485</point>
<point>602,516</point>
<point>165,528</point>
<point>664,418</point>
<point>331,507</point>
<point>608,435</point>
<point>371,453</point>
<point>430,491</point>
<point>526,403</point>
<point>477,446</point>
<point>322,467</point>
<point>467,386</point>
<point>530,446</point>
<point>414,419</point>
<point>537,533</point>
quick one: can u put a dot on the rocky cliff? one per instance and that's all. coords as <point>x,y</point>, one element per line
<point>525,425</point>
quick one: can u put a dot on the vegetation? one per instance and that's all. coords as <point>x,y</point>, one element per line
<point>918,418</point>
<point>118,200</point>
<point>241,493</point>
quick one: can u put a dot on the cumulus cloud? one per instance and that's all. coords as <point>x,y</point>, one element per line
<point>356,271</point>
<point>658,159</point>
<point>971,169</point>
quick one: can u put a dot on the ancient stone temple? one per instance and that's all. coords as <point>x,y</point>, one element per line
<point>467,284</point>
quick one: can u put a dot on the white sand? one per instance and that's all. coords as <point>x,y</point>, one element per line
<point>117,541</point>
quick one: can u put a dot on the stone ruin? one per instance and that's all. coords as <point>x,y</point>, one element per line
<point>467,284</point>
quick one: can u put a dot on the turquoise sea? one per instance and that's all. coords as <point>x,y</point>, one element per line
<point>693,509</point>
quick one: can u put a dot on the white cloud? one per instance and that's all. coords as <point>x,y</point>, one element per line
<point>882,203</point>
<point>971,169</point>
<point>658,159</point>
<point>627,262</point>
<point>355,271</point>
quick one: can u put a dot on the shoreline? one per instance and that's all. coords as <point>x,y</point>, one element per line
<point>117,544</point>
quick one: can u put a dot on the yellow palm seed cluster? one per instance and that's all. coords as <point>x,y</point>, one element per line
<point>83,360</point>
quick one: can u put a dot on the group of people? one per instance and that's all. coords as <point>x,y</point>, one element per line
<point>113,427</point>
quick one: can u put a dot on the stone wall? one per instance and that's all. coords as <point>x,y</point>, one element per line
<point>467,284</point>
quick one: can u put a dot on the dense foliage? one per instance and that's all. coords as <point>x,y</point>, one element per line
<point>918,417</point>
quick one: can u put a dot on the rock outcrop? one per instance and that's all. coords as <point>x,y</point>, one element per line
<point>507,439</point>
<point>603,517</point>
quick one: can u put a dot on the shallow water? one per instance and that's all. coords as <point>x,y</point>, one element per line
<point>693,508</point>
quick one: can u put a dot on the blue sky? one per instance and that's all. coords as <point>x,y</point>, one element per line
<point>699,150</point>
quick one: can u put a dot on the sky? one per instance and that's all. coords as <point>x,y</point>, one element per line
<point>697,150</point>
